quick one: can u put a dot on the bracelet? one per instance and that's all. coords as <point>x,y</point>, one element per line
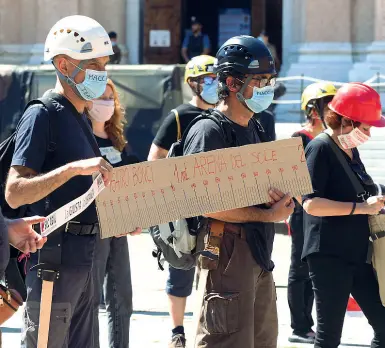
<point>354,208</point>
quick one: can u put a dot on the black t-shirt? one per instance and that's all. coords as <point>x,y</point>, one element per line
<point>71,145</point>
<point>266,118</point>
<point>206,135</point>
<point>114,156</point>
<point>168,131</point>
<point>343,236</point>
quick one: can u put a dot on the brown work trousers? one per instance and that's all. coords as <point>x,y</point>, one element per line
<point>239,309</point>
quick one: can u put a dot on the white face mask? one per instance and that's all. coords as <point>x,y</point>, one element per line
<point>102,110</point>
<point>353,139</point>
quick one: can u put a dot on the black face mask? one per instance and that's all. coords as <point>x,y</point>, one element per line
<point>195,31</point>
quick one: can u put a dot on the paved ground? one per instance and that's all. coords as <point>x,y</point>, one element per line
<point>150,323</point>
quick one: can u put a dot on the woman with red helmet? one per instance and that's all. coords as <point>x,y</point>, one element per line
<point>336,227</point>
<point>300,295</point>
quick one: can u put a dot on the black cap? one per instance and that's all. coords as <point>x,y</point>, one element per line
<point>194,20</point>
<point>246,55</point>
<point>112,35</point>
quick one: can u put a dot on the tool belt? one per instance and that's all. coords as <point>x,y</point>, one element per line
<point>215,230</point>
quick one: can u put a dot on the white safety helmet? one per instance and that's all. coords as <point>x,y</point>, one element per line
<point>78,37</point>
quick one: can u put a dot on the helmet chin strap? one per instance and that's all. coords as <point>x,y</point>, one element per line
<point>239,94</point>
<point>70,81</point>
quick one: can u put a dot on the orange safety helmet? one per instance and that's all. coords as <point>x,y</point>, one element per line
<point>358,102</point>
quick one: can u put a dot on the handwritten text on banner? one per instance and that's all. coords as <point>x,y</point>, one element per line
<point>150,193</point>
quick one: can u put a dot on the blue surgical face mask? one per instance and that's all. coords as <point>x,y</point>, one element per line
<point>210,90</point>
<point>93,86</point>
<point>261,99</point>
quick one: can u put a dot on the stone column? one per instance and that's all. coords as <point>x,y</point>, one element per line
<point>322,48</point>
<point>133,32</point>
<point>373,61</point>
<point>317,44</point>
<point>112,16</point>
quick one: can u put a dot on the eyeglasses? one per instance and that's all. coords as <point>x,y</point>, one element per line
<point>263,82</point>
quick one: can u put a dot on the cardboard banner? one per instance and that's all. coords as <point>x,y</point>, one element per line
<point>150,193</point>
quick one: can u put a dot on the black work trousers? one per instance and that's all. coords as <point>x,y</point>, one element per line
<point>299,290</point>
<point>334,279</point>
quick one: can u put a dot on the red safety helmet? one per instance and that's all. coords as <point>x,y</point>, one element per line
<point>358,102</point>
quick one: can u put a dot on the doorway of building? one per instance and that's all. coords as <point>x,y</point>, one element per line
<point>208,12</point>
<point>273,24</point>
<point>264,14</point>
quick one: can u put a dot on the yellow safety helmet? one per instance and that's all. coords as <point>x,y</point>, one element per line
<point>199,66</point>
<point>316,91</point>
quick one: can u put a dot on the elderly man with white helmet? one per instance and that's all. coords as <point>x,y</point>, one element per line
<point>54,159</point>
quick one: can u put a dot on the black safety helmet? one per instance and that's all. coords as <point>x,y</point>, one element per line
<point>246,55</point>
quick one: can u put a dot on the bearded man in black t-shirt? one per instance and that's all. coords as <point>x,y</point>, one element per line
<point>203,83</point>
<point>239,306</point>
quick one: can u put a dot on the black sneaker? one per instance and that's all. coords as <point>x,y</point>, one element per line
<point>301,337</point>
<point>177,341</point>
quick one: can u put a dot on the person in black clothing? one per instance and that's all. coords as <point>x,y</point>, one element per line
<point>336,226</point>
<point>239,307</point>
<point>203,83</point>
<point>111,268</point>
<point>46,180</point>
<point>300,293</point>
<point>199,76</point>
<point>117,56</point>
<point>266,118</point>
<point>196,43</point>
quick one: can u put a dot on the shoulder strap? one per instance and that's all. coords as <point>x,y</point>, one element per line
<point>228,132</point>
<point>345,165</point>
<point>305,132</point>
<point>260,130</point>
<point>54,106</point>
<point>179,129</point>
<point>53,110</point>
<point>89,135</point>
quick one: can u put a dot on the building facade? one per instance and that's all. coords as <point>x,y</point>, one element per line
<point>24,25</point>
<point>338,40</point>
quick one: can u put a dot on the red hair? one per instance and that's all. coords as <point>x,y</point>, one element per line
<point>334,120</point>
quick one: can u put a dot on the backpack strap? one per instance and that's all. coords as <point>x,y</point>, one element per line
<point>53,109</point>
<point>260,130</point>
<point>179,129</point>
<point>219,119</point>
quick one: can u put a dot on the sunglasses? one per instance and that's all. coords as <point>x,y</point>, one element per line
<point>263,82</point>
<point>208,80</point>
